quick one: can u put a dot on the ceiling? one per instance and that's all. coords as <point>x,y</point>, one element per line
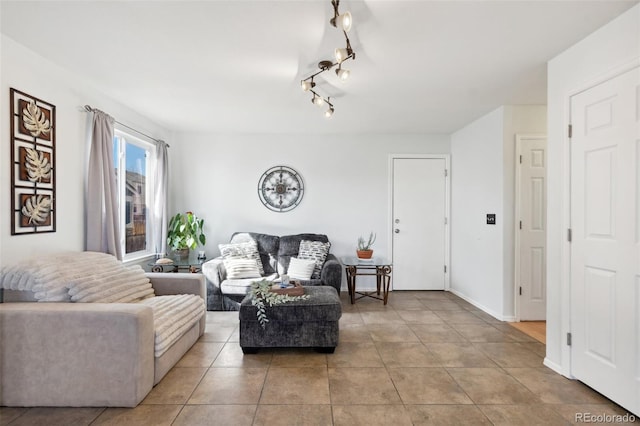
<point>235,66</point>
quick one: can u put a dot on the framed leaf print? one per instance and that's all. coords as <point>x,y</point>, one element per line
<point>33,171</point>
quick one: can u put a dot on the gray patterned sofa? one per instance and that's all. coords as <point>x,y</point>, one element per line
<point>275,253</point>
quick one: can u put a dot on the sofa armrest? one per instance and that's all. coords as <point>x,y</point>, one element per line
<point>75,354</point>
<point>214,271</point>
<point>167,284</point>
<point>331,273</point>
<point>177,283</point>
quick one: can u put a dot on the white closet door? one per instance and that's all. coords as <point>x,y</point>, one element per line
<point>532,253</point>
<point>605,200</point>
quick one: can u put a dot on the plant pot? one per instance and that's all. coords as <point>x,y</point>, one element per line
<point>364,254</point>
<point>182,253</point>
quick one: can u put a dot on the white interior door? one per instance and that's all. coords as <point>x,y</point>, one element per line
<point>532,227</point>
<point>419,223</point>
<point>605,201</point>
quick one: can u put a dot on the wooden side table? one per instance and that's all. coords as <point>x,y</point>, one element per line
<point>376,266</point>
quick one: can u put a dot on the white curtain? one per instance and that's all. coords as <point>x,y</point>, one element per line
<point>159,224</point>
<point>103,230</point>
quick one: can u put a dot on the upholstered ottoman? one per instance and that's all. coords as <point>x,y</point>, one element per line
<point>302,323</point>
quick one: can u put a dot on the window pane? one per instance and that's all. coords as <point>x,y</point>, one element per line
<point>135,199</point>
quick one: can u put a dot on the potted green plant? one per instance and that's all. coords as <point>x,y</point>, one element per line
<point>364,250</point>
<point>185,232</point>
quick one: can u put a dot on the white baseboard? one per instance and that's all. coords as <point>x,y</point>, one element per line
<point>482,307</point>
<point>552,365</point>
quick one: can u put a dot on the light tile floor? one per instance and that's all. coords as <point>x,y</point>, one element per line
<point>427,358</point>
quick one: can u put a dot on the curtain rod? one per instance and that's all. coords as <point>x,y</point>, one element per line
<point>90,109</point>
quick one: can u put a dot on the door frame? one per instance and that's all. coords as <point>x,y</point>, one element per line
<point>447,208</point>
<point>516,224</point>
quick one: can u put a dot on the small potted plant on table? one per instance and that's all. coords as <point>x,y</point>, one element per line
<point>184,233</point>
<point>364,250</point>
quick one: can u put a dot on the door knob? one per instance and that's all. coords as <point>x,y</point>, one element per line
<point>397,231</point>
<point>397,221</point>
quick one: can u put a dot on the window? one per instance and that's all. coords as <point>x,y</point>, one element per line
<point>133,161</point>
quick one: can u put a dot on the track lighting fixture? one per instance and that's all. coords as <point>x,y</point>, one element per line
<point>317,100</point>
<point>344,22</point>
<point>320,101</point>
<point>342,54</point>
<point>325,65</point>
<point>328,113</point>
<point>342,73</point>
<point>308,85</point>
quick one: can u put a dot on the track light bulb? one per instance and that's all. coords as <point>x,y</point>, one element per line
<point>345,21</point>
<point>342,73</point>
<point>341,54</point>
<point>317,100</point>
<point>307,85</point>
<point>328,113</point>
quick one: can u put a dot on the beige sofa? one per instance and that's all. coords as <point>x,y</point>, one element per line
<point>87,354</point>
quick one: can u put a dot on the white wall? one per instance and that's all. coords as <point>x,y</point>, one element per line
<point>482,181</point>
<point>25,71</point>
<point>476,189</point>
<point>346,181</point>
<point>612,49</point>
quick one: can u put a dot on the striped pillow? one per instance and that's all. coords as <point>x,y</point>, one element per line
<point>246,250</point>
<point>239,268</point>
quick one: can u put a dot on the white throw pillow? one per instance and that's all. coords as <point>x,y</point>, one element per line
<point>314,250</point>
<point>301,269</point>
<point>238,268</point>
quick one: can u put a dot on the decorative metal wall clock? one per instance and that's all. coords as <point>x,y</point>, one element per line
<point>280,188</point>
